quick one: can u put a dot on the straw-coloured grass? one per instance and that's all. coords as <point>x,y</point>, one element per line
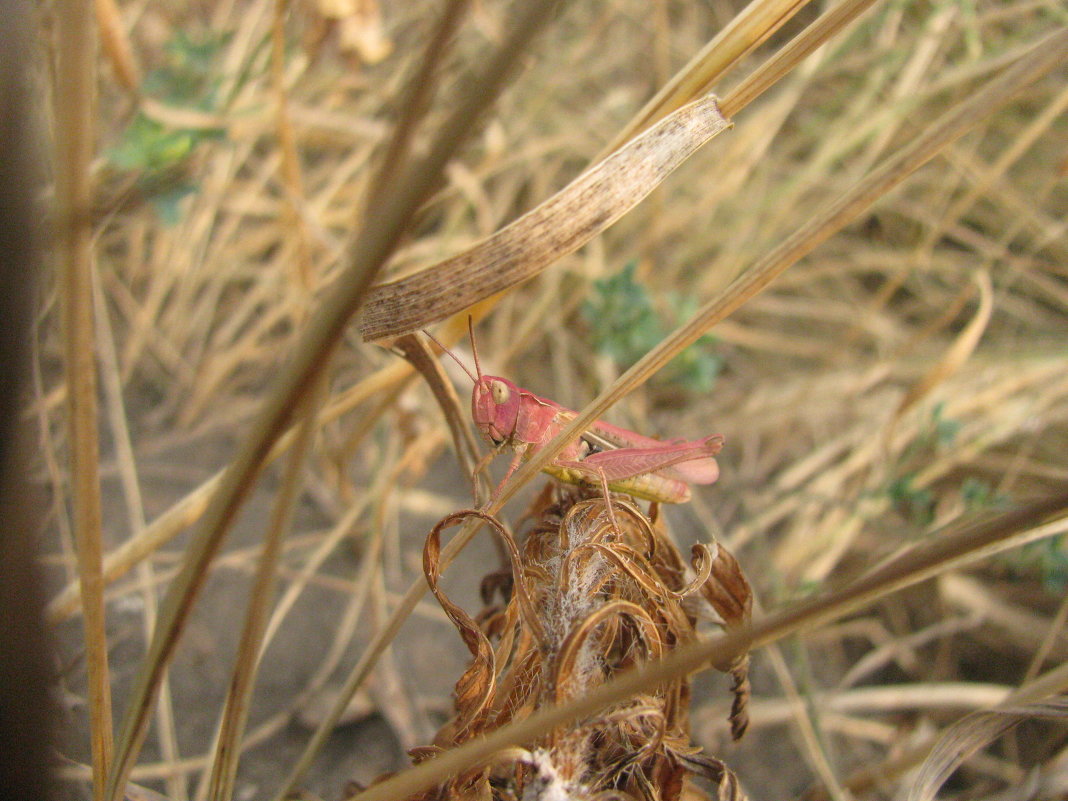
<point>868,220</point>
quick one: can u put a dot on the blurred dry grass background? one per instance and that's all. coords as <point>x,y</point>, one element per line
<point>907,374</point>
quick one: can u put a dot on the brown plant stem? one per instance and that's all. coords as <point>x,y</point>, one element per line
<point>26,666</point>
<point>246,666</point>
<point>75,74</point>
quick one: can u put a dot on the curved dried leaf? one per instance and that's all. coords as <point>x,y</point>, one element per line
<point>727,785</point>
<point>560,225</point>
<point>742,690</point>
<point>727,589</point>
<point>958,353</point>
<point>602,592</point>
<point>702,557</point>
<point>474,689</point>
<point>973,732</point>
<point>567,664</point>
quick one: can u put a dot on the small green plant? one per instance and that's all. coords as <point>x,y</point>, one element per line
<point>1047,557</point>
<point>624,325</point>
<point>979,496</point>
<point>189,76</point>
<point>159,153</point>
<point>943,431</point>
<point>915,503</point>
<point>937,434</point>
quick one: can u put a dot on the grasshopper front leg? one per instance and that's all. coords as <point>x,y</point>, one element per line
<point>521,452</point>
<point>517,459</point>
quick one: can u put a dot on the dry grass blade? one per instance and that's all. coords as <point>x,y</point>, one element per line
<point>560,225</point>
<point>415,100</point>
<point>916,566</point>
<point>239,697</point>
<point>752,26</point>
<point>830,23</point>
<point>75,71</point>
<point>135,515</point>
<point>973,732</point>
<point>1052,683</point>
<point>1041,59</point>
<point>116,44</point>
<point>369,253</point>
<point>957,355</point>
<point>292,177</point>
<point>416,351</point>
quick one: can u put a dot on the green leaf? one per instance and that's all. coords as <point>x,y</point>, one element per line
<point>945,429</point>
<point>149,146</point>
<point>157,152</point>
<point>916,503</point>
<point>625,326</point>
<point>166,203</point>
<point>189,77</point>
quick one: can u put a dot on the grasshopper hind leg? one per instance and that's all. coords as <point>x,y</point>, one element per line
<point>603,479</point>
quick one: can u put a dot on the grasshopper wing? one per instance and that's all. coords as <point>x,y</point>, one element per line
<point>625,454</point>
<point>702,470</point>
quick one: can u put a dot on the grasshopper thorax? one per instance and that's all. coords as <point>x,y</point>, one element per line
<point>495,406</point>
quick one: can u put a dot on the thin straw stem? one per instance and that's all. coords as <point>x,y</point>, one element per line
<point>246,666</point>
<point>75,73</point>
<point>743,34</point>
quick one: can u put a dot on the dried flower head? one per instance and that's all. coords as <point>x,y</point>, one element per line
<point>589,592</point>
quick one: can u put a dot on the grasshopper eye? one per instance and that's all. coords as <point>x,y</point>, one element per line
<point>500,392</point>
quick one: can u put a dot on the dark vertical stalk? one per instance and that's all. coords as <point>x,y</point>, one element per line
<point>25,730</point>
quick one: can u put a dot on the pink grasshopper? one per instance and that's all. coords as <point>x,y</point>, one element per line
<point>604,454</point>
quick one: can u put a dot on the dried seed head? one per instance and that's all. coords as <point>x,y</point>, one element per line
<point>588,595</point>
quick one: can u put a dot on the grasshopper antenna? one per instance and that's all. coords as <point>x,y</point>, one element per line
<point>474,350</point>
<point>453,355</point>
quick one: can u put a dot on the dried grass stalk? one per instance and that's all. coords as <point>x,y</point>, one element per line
<point>75,72</point>
<point>115,42</point>
<point>745,32</point>
<point>239,697</point>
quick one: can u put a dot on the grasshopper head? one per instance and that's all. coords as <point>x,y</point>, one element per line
<point>495,407</point>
